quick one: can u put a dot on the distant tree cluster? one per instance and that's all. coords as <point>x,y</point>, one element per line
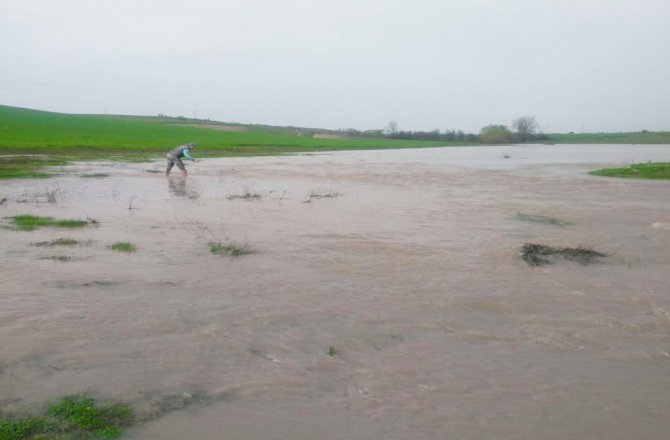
<point>525,128</point>
<point>496,134</point>
<point>436,135</point>
<point>391,131</point>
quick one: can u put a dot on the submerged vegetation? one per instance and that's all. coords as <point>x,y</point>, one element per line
<point>123,246</point>
<point>57,242</point>
<point>94,175</point>
<point>32,222</point>
<point>71,418</point>
<point>539,254</point>
<point>28,166</point>
<point>244,196</point>
<point>659,170</point>
<point>231,249</point>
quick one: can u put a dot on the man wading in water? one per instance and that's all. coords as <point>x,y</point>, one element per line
<point>175,155</point>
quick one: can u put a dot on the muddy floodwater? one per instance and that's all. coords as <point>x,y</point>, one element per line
<point>386,298</point>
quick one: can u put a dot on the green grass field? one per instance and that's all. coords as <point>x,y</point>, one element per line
<point>26,131</point>
<point>639,137</point>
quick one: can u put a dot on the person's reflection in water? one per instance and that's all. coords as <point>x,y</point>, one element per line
<point>177,186</point>
<point>180,187</point>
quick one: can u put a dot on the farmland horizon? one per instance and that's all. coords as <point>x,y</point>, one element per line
<point>320,129</point>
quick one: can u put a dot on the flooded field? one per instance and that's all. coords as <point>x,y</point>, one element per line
<point>385,298</point>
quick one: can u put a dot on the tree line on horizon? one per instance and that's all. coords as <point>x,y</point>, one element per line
<point>523,129</point>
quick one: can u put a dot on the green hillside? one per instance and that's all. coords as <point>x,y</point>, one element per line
<point>24,130</point>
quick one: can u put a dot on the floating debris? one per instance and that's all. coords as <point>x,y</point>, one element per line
<point>245,196</point>
<point>321,195</point>
<point>535,254</point>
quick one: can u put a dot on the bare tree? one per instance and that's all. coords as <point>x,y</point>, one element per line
<point>526,127</point>
<point>391,128</point>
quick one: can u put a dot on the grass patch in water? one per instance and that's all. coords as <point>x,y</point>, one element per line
<point>27,166</point>
<point>660,170</point>
<point>32,222</point>
<point>94,175</point>
<point>57,242</point>
<point>232,249</point>
<point>123,246</point>
<point>537,254</point>
<point>71,418</point>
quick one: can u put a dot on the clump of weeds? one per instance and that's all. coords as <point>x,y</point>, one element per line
<point>218,246</point>
<point>231,249</point>
<point>94,175</point>
<point>333,351</point>
<point>244,196</point>
<point>537,254</point>
<point>123,246</point>
<point>32,222</point>
<point>71,418</point>
<point>53,194</point>
<point>57,242</point>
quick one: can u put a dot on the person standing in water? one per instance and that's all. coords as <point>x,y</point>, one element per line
<point>175,155</point>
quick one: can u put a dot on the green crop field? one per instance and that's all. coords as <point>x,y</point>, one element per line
<point>24,130</point>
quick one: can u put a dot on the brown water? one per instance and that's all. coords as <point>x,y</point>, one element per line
<point>404,265</point>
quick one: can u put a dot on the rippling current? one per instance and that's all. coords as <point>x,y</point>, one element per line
<point>385,297</point>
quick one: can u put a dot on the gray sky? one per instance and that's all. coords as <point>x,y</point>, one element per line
<point>576,65</point>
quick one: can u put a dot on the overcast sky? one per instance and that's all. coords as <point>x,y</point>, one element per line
<point>576,65</point>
